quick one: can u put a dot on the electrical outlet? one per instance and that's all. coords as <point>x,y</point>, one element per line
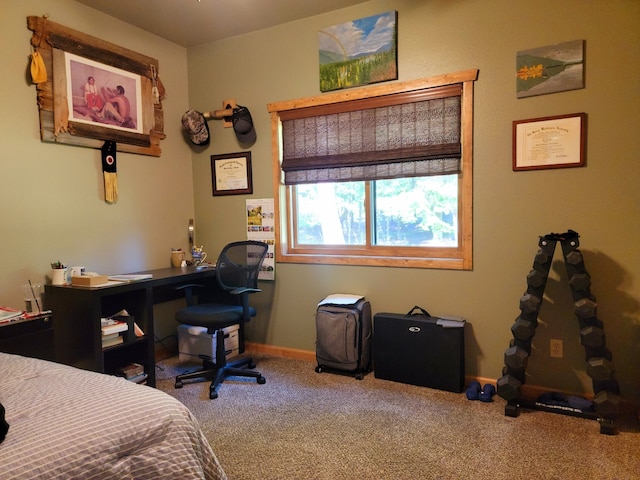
<point>555,348</point>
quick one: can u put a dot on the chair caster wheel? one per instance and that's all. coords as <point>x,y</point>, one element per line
<point>251,365</point>
<point>178,384</point>
<point>213,394</point>
<point>261,380</point>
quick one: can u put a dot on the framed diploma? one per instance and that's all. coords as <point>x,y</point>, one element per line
<point>231,174</point>
<point>549,142</point>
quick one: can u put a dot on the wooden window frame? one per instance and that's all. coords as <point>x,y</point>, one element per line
<point>460,258</point>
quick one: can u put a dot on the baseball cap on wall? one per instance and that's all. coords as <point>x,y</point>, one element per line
<point>243,125</point>
<point>196,127</point>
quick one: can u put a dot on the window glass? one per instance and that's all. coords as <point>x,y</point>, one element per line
<point>331,214</point>
<point>416,212</point>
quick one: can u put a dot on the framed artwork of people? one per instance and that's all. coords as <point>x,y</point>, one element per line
<point>96,91</point>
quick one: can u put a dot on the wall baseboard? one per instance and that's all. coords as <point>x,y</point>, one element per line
<point>528,391</point>
<point>293,353</point>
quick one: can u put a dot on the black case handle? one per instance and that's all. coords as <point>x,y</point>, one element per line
<point>422,310</point>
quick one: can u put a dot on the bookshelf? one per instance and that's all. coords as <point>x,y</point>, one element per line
<point>78,312</point>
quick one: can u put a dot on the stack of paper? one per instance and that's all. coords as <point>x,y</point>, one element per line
<point>132,277</point>
<point>7,313</point>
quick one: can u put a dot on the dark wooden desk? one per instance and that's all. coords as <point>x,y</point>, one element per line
<point>31,338</point>
<point>78,310</point>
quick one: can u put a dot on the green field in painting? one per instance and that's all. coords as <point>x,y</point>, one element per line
<point>360,71</point>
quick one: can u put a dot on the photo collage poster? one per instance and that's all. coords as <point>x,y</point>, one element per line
<point>261,227</point>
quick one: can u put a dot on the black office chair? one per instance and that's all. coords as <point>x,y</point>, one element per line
<point>237,274</point>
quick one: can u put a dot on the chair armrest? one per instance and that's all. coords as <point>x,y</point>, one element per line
<point>188,291</point>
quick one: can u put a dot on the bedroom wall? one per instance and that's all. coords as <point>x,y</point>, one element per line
<point>52,197</point>
<point>511,209</point>
<point>51,200</point>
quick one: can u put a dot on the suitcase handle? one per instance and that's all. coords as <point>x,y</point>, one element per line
<point>422,310</point>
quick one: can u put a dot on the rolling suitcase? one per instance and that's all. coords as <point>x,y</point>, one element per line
<point>419,349</point>
<point>343,335</point>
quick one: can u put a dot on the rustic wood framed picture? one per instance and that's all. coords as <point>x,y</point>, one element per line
<point>96,91</point>
<point>549,142</point>
<point>231,174</point>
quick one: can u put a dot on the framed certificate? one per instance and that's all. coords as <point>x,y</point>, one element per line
<point>231,174</point>
<point>549,142</point>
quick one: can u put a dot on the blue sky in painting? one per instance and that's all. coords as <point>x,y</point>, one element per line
<point>361,36</point>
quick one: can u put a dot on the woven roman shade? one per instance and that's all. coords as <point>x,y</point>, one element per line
<point>395,136</point>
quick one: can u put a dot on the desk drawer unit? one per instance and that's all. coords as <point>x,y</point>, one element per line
<point>419,350</point>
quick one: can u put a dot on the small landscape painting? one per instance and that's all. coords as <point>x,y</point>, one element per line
<point>359,52</point>
<point>550,69</point>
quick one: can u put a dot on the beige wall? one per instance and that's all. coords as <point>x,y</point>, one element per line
<point>52,197</point>
<point>511,209</point>
<point>53,208</point>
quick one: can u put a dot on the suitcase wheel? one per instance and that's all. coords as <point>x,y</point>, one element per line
<point>359,376</point>
<point>318,369</point>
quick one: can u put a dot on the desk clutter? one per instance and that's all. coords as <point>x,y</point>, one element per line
<point>10,315</point>
<point>89,280</point>
<point>119,328</point>
<point>121,331</point>
<point>79,311</point>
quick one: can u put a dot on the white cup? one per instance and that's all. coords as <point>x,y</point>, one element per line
<point>76,271</point>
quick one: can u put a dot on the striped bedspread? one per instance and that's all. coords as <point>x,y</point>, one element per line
<point>66,423</point>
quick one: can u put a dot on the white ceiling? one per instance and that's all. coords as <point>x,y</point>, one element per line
<point>193,22</point>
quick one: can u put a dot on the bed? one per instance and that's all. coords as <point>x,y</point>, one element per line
<point>67,423</point>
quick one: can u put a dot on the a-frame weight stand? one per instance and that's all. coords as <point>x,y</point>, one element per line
<point>599,367</point>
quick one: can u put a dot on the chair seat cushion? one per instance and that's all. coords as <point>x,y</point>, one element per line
<point>212,315</point>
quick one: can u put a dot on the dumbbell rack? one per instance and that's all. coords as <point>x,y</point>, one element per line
<point>599,367</point>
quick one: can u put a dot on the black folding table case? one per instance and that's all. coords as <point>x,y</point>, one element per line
<point>419,350</point>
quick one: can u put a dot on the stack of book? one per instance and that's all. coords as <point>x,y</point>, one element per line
<point>134,372</point>
<point>112,331</point>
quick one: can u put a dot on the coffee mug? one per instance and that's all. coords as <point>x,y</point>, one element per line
<point>177,256</point>
<point>77,271</point>
<point>199,257</point>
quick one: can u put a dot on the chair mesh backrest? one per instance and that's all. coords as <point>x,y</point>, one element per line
<point>239,264</point>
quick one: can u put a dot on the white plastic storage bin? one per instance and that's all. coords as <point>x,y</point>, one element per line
<point>195,341</point>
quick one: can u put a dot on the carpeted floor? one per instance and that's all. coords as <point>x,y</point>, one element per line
<point>302,425</point>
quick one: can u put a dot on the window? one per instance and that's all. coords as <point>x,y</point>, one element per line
<point>377,176</point>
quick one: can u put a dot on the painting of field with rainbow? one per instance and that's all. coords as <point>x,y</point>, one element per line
<point>359,52</point>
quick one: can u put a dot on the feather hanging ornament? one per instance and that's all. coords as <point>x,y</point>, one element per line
<point>109,171</point>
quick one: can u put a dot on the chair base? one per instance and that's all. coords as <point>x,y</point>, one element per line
<point>239,368</point>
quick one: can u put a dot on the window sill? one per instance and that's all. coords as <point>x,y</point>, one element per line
<point>373,261</point>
